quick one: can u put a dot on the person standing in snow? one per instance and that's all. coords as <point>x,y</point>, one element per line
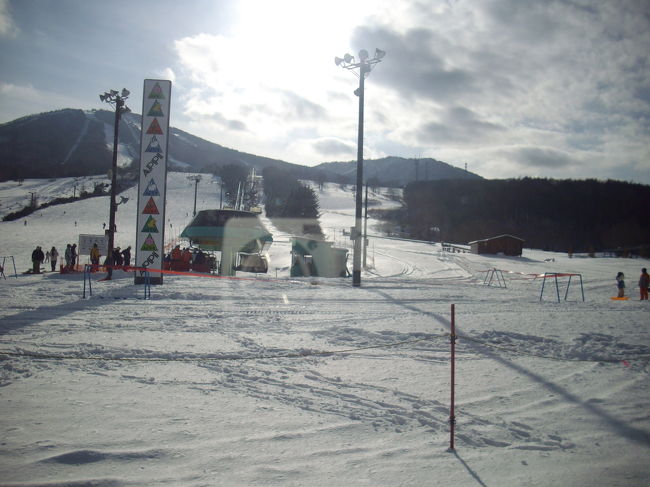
<point>620,284</point>
<point>117,257</point>
<point>68,257</point>
<point>644,282</point>
<point>54,255</point>
<point>126,255</point>
<point>95,254</point>
<point>73,253</point>
<point>47,257</point>
<point>37,258</point>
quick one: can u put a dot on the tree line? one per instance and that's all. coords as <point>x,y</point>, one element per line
<point>555,215</point>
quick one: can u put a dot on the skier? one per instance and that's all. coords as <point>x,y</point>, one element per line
<point>54,255</point>
<point>620,283</point>
<point>644,282</point>
<point>37,257</point>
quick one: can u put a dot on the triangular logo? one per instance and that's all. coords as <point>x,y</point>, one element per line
<point>154,145</point>
<point>156,110</point>
<point>149,244</point>
<point>157,92</point>
<point>154,127</point>
<point>152,189</point>
<point>150,225</point>
<point>151,208</point>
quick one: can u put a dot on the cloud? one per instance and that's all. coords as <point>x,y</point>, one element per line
<point>331,147</point>
<point>541,157</point>
<point>414,68</point>
<point>7,26</point>
<point>460,125</point>
<point>18,100</point>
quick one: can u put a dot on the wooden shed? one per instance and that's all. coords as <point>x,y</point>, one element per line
<point>503,244</point>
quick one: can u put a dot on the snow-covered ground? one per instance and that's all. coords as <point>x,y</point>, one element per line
<point>280,381</point>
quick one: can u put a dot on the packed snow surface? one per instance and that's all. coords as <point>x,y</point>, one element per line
<point>270,380</point>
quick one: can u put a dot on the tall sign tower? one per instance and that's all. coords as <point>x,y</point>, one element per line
<point>152,182</point>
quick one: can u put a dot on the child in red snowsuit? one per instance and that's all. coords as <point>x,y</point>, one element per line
<point>644,282</point>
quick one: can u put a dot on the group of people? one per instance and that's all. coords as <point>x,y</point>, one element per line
<point>120,257</point>
<point>71,257</point>
<point>52,256</point>
<point>185,259</point>
<point>644,284</point>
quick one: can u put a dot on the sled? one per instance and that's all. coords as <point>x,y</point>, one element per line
<point>614,298</point>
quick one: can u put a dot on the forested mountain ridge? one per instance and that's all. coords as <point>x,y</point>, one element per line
<point>556,215</point>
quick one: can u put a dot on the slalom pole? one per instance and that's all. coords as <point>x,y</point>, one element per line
<point>452,413</point>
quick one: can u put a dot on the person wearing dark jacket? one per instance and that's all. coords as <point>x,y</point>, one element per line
<point>126,255</point>
<point>644,282</point>
<point>37,257</point>
<point>54,255</point>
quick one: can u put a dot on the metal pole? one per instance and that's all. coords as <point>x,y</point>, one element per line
<point>365,231</point>
<point>452,412</point>
<point>119,102</point>
<point>196,188</point>
<point>356,263</point>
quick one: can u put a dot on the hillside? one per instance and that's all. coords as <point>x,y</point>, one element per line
<point>398,171</point>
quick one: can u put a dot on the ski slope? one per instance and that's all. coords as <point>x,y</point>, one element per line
<point>270,380</point>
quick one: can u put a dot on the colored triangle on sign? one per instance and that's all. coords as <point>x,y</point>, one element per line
<point>154,145</point>
<point>151,208</point>
<point>154,127</point>
<point>157,92</point>
<point>152,189</point>
<point>149,244</point>
<point>150,225</point>
<point>156,110</point>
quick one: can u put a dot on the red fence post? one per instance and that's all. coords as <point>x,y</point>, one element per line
<point>452,413</point>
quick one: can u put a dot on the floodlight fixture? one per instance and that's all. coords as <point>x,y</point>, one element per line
<point>379,54</point>
<point>125,93</point>
<point>348,58</point>
<point>363,55</point>
<point>338,61</point>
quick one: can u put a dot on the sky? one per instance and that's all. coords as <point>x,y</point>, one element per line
<point>510,88</point>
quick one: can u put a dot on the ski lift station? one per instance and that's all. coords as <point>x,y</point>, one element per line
<point>240,236</point>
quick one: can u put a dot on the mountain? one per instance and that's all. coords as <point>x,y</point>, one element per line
<point>72,142</point>
<point>398,171</point>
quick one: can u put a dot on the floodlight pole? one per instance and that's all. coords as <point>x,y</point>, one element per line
<point>196,180</point>
<point>365,65</point>
<point>113,97</point>
<point>358,235</point>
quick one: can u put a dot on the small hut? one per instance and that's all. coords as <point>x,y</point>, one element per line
<point>503,244</point>
<point>310,257</point>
